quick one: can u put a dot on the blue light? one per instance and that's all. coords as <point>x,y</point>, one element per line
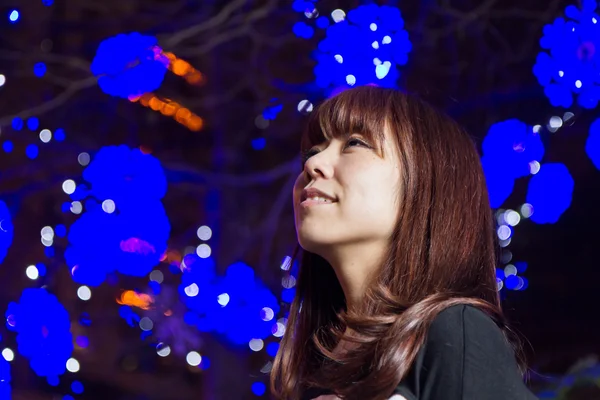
<point>17,123</point>
<point>68,397</point>
<point>259,143</point>
<point>123,214</point>
<point>6,230</point>
<point>322,22</point>
<point>259,388</point>
<point>272,349</point>
<point>8,146</point>
<point>33,123</point>
<point>569,65</point>
<point>59,135</point>
<point>353,54</point>
<point>49,251</point>
<point>77,387</point>
<point>499,183</point>
<point>550,193</point>
<point>129,65</point>
<point>270,113</point>
<point>43,332</point>
<point>41,269</point>
<point>39,69</point>
<point>13,16</point>
<point>238,296</point>
<point>302,30</point>
<point>60,230</point>
<point>592,145</point>
<point>47,3</point>
<point>32,151</point>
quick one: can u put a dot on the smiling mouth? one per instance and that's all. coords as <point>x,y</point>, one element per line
<point>314,201</point>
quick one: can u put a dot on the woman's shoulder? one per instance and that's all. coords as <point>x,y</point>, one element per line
<point>460,320</point>
<point>463,330</point>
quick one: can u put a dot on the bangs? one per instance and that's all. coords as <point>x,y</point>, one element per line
<point>363,110</point>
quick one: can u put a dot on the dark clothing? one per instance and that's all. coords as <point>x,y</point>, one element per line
<point>465,357</point>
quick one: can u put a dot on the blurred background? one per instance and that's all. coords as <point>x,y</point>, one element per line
<point>149,148</point>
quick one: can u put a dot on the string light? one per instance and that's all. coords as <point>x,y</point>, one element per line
<point>171,108</point>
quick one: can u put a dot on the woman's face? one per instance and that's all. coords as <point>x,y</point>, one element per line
<point>361,182</point>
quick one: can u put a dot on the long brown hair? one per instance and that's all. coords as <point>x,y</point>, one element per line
<point>442,253</point>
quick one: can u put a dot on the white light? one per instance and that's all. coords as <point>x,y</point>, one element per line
<point>47,242</point>
<point>578,84</point>
<point>534,167</point>
<point>163,350</point>
<point>373,26</point>
<point>256,344</point>
<point>288,282</point>
<point>204,233</point>
<point>504,232</point>
<point>526,210</point>
<point>146,324</point>
<point>376,61</point>
<point>339,58</point>
<point>47,233</point>
<point>193,358</point>
<point>76,207</point>
<point>108,206</point>
<point>72,365</point>
<point>157,276</point>
<point>382,70</point>
<point>350,80</point>
<point>223,299</point>
<point>504,243</point>
<point>386,40</point>
<point>83,159</point>
<point>338,15</point>
<point>594,20</point>
<point>305,106</point>
<point>279,330</point>
<point>192,290</point>
<point>203,250</point>
<point>45,135</point>
<point>286,263</point>
<point>510,270</point>
<point>561,73</point>
<point>32,272</point>
<point>14,15</point>
<point>500,284</point>
<point>8,354</point>
<point>555,122</point>
<point>375,45</point>
<point>267,314</point>
<point>512,218</point>
<point>84,293</point>
<point>2,80</point>
<point>68,186</point>
<point>536,128</point>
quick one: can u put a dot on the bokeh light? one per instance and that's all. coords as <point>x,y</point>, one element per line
<point>129,65</point>
<point>43,331</point>
<point>550,193</point>
<point>124,216</point>
<point>355,54</point>
<point>567,66</point>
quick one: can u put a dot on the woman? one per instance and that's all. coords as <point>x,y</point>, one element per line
<point>397,292</point>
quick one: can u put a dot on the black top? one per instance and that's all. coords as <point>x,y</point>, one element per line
<point>465,357</point>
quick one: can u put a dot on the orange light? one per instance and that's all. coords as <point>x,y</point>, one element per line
<point>195,123</point>
<point>139,300</point>
<point>156,104</point>
<point>180,67</point>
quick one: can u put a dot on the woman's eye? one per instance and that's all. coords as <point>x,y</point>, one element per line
<point>358,142</point>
